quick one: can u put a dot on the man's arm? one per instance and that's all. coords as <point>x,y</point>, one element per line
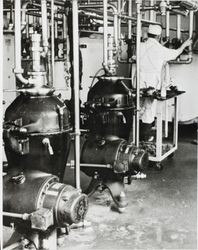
<point>171,54</point>
<point>187,43</point>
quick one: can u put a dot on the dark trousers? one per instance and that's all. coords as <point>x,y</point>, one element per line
<point>145,131</point>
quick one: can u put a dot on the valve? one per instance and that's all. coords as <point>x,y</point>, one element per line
<point>46,142</point>
<point>163,7</point>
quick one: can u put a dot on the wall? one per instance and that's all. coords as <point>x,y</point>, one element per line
<point>186,78</point>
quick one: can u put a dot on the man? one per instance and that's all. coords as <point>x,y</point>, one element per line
<point>153,56</point>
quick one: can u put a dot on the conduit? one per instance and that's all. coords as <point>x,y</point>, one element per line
<point>17,41</point>
<point>76,91</point>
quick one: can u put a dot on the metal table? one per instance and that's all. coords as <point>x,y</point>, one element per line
<point>160,155</point>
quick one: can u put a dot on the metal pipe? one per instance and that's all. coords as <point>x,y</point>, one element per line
<point>119,20</point>
<point>95,16</point>
<point>23,16</point>
<point>52,42</point>
<point>142,20</point>
<point>129,21</point>
<point>151,12</point>
<point>191,17</point>
<point>36,14</point>
<point>1,107</point>
<point>105,34</point>
<point>138,36</point>
<point>187,61</point>
<point>167,23</point>
<point>115,24</point>
<point>191,5</point>
<point>56,2</point>
<point>76,90</point>
<point>44,25</point>
<point>180,12</point>
<point>178,26</point>
<point>167,80</point>
<point>90,165</point>
<point>90,6</point>
<point>17,40</point>
<point>24,216</point>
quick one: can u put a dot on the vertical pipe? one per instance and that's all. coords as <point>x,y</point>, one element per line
<point>64,35</point>
<point>166,119</point>
<point>52,42</point>
<point>178,26</point>
<point>44,25</point>
<point>191,23</point>
<point>175,132</point>
<point>115,21</point>
<point>159,130</point>
<point>138,35</point>
<point>17,43</point>
<point>17,37</point>
<point>167,22</point>
<point>152,14</point>
<point>119,20</point>
<point>27,26</point>
<point>105,33</point>
<point>129,22</point>
<point>76,89</point>
<point>1,107</point>
<point>167,80</point>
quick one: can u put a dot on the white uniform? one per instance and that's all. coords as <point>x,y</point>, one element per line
<point>153,56</point>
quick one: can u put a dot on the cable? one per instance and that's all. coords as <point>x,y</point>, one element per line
<point>95,77</point>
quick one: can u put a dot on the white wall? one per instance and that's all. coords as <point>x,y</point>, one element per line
<point>92,57</point>
<point>185,76</point>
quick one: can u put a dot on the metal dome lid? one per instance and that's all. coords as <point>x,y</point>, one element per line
<point>38,114</point>
<point>110,93</point>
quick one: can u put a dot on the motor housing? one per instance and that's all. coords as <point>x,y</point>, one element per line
<point>30,191</point>
<point>119,157</point>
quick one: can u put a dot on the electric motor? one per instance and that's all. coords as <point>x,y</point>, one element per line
<point>31,191</point>
<point>118,156</point>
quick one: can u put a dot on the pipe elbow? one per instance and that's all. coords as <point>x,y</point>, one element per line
<point>22,79</point>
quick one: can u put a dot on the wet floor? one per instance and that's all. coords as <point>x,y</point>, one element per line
<point>161,212</point>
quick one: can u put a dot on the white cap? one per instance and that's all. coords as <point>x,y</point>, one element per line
<point>155,29</point>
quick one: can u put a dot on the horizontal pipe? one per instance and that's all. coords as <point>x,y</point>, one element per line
<point>179,12</point>
<point>39,15</point>
<point>24,216</point>
<point>90,165</point>
<point>188,61</point>
<point>56,2</point>
<point>142,20</point>
<point>90,6</point>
